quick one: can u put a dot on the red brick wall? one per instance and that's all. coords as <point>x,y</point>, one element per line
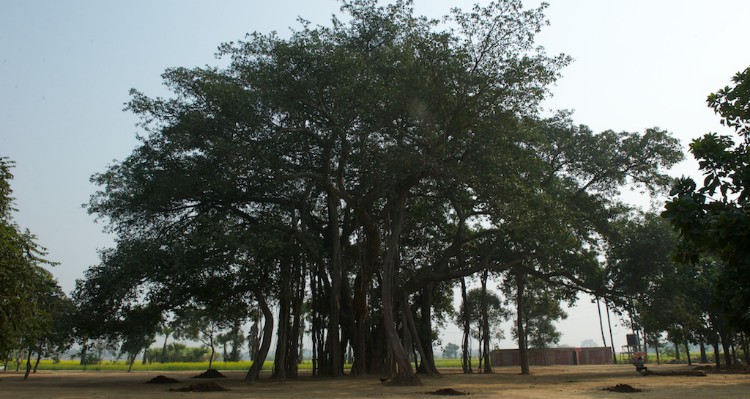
<point>553,356</point>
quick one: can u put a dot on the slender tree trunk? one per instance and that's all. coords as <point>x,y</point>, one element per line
<point>28,365</point>
<point>611,337</point>
<point>717,355</point>
<point>656,347</point>
<point>315,318</point>
<point>676,350</point>
<point>19,356</point>
<point>601,323</point>
<point>253,374</point>
<point>38,359</point>
<point>84,353</point>
<point>745,349</point>
<point>297,329</point>
<point>485,325</point>
<point>466,356</point>
<point>726,345</point>
<point>163,356</point>
<point>213,351</point>
<point>520,328</point>
<point>336,367</point>
<point>282,332</point>
<point>687,353</point>
<point>363,286</point>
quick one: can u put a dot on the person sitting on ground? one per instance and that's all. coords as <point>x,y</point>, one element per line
<point>639,367</point>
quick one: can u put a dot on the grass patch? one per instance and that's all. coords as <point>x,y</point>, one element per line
<point>115,365</point>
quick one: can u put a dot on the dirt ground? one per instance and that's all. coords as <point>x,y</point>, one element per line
<point>550,382</point>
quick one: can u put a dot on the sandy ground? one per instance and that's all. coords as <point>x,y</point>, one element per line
<point>545,382</point>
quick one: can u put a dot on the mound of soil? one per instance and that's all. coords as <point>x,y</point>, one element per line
<point>626,388</point>
<point>201,387</point>
<point>447,392</point>
<point>210,373</point>
<point>162,380</point>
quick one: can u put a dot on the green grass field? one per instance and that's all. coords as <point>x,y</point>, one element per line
<point>120,365</point>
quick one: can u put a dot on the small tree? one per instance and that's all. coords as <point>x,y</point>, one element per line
<point>200,324</point>
<point>450,351</point>
<point>138,331</point>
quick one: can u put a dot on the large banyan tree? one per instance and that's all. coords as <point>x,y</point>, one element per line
<point>347,176</point>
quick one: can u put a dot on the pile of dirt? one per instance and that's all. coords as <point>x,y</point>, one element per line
<point>162,380</point>
<point>210,373</point>
<point>623,388</point>
<point>201,387</point>
<point>447,392</point>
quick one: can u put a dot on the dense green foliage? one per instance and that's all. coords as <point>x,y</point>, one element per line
<point>361,168</point>
<point>713,220</point>
<point>34,313</point>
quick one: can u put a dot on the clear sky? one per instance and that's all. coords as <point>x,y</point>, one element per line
<point>66,68</point>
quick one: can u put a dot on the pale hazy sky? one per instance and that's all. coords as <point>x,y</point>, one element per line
<point>66,68</point>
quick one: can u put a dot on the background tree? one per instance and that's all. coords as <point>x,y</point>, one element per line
<point>22,276</point>
<point>495,314</point>
<point>542,307</point>
<point>139,329</point>
<point>450,351</point>
<point>203,325</point>
<point>713,219</point>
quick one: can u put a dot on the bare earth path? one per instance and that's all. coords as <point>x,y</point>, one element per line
<point>565,382</point>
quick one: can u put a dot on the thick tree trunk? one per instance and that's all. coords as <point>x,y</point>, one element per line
<point>702,345</point>
<point>131,360</point>
<point>520,310</point>
<point>717,355</point>
<point>425,331</point>
<point>727,346</point>
<point>404,372</point>
<point>253,374</point>
<point>409,317</point>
